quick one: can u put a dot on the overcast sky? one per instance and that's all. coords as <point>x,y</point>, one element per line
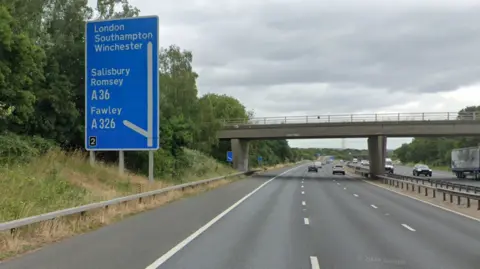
<point>311,57</point>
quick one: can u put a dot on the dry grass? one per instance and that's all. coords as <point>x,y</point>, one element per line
<point>35,236</point>
<point>59,180</point>
<point>437,200</point>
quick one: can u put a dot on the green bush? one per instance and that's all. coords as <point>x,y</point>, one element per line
<point>20,149</point>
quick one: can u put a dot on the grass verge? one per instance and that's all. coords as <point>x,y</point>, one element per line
<point>56,180</point>
<point>35,236</point>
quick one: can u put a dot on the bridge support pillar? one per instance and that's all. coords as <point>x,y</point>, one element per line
<point>377,150</point>
<point>240,154</point>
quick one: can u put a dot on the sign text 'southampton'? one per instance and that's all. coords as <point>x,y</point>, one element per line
<point>121,87</point>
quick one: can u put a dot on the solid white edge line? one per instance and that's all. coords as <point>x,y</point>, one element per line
<point>425,202</point>
<point>302,186</point>
<point>202,229</point>
<point>314,262</point>
<point>408,227</point>
<point>344,188</point>
<point>303,192</point>
<point>303,203</point>
<point>374,206</point>
<point>306,221</point>
<point>356,195</point>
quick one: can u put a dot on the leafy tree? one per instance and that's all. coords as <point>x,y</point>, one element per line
<point>42,87</point>
<point>436,150</point>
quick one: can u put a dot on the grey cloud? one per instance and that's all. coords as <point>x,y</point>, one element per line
<point>372,52</point>
<point>368,53</point>
<point>312,99</point>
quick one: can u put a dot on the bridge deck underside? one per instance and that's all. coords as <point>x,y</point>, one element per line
<point>351,130</point>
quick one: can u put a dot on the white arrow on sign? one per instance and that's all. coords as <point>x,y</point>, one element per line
<point>149,132</point>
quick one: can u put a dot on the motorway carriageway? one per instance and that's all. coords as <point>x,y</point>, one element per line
<point>436,174</point>
<point>290,219</point>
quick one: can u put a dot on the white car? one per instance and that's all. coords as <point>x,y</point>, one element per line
<point>365,163</point>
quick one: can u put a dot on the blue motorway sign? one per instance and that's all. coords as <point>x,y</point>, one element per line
<point>121,88</point>
<point>229,156</point>
<point>260,159</point>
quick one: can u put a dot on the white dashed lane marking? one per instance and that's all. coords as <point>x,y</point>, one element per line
<point>314,262</point>
<point>408,227</point>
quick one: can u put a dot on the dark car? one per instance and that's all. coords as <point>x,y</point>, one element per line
<point>312,168</point>
<point>422,169</point>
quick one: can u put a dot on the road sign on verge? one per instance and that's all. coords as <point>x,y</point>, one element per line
<point>229,156</point>
<point>259,159</point>
<point>121,84</point>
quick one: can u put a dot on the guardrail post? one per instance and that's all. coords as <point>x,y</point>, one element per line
<point>474,115</point>
<point>398,116</point>
<point>351,117</point>
<point>423,116</point>
<point>306,119</point>
<point>264,120</point>
<point>328,118</point>
<point>285,119</point>
<point>92,158</point>
<point>376,119</point>
<point>448,115</point>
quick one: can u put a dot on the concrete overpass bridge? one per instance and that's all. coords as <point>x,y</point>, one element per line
<point>375,127</point>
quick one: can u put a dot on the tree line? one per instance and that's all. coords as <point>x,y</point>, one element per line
<point>42,87</point>
<point>435,151</point>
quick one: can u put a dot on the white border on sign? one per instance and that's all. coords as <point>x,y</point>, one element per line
<point>158,86</point>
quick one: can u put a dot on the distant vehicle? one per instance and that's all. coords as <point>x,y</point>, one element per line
<point>364,163</point>
<point>466,161</point>
<point>312,168</point>
<point>389,168</point>
<point>318,164</point>
<point>422,169</point>
<point>355,160</point>
<point>338,169</point>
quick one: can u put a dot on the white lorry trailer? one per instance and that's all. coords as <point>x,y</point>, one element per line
<point>466,161</point>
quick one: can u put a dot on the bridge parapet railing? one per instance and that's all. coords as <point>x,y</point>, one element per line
<point>345,118</point>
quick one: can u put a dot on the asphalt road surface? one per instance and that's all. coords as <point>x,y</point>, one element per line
<point>297,220</point>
